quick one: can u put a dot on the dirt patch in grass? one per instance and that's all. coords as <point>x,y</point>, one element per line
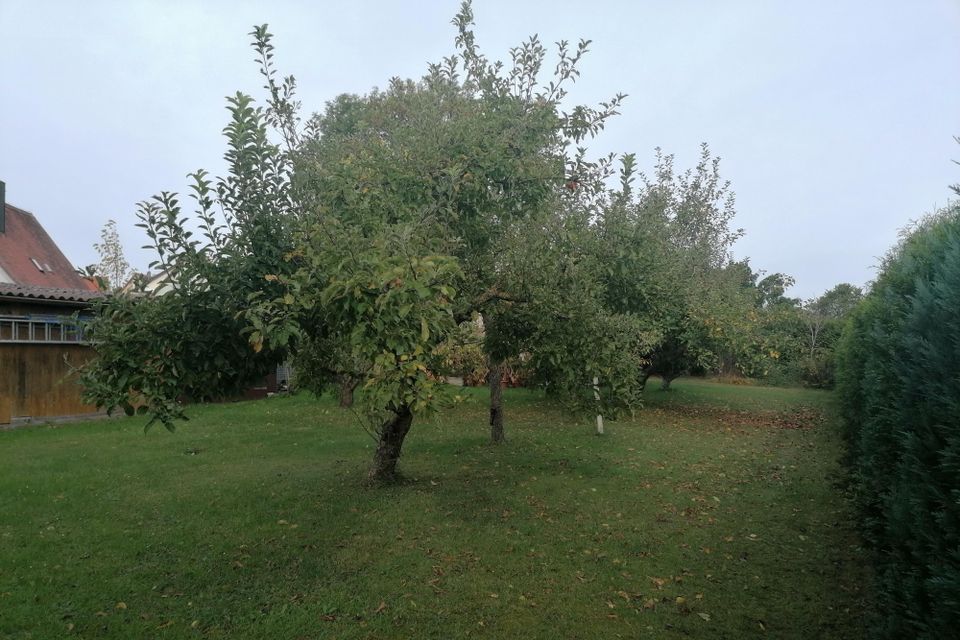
<point>802,417</point>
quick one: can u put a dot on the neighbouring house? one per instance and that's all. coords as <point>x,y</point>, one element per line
<point>153,284</point>
<point>40,343</point>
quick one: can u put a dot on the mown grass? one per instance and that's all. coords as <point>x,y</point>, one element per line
<point>714,513</point>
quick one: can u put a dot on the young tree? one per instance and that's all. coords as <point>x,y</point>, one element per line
<point>188,343</point>
<point>113,267</point>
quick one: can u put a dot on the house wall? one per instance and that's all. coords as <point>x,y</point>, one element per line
<point>36,381</point>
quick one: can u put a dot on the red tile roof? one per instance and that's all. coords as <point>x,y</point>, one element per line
<point>25,241</point>
<point>46,293</point>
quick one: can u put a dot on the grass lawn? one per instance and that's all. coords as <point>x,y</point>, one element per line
<point>715,513</point>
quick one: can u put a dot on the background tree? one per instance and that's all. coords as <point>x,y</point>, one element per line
<point>570,335</point>
<point>775,338</point>
<point>781,341</point>
<point>774,342</point>
<point>838,302</point>
<point>113,266</point>
<point>824,318</point>
<point>663,247</point>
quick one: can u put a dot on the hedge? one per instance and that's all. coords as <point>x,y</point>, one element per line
<point>898,379</point>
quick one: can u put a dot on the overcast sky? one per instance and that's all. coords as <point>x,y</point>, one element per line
<point>835,119</point>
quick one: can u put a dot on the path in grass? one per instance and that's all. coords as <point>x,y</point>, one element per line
<point>715,513</point>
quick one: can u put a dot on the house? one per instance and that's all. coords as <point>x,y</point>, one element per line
<point>40,344</point>
<point>153,284</point>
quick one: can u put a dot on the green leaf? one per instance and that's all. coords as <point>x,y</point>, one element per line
<point>424,329</point>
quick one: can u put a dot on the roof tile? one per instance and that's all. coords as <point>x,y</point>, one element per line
<point>48,293</point>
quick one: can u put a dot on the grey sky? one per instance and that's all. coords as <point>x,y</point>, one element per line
<point>834,118</point>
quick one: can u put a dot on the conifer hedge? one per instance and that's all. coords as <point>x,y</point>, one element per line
<point>899,384</point>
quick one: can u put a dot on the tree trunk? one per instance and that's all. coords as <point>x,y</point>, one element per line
<point>643,377</point>
<point>347,386</point>
<point>392,433</point>
<point>665,381</point>
<point>494,378</point>
<point>728,364</point>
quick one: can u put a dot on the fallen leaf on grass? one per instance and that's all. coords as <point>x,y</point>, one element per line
<point>121,605</point>
<point>383,605</point>
<point>705,616</point>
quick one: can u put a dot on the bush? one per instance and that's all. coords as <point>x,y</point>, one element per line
<point>817,370</point>
<point>898,379</point>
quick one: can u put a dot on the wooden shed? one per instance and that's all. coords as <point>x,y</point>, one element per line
<point>40,342</point>
<point>40,346</point>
